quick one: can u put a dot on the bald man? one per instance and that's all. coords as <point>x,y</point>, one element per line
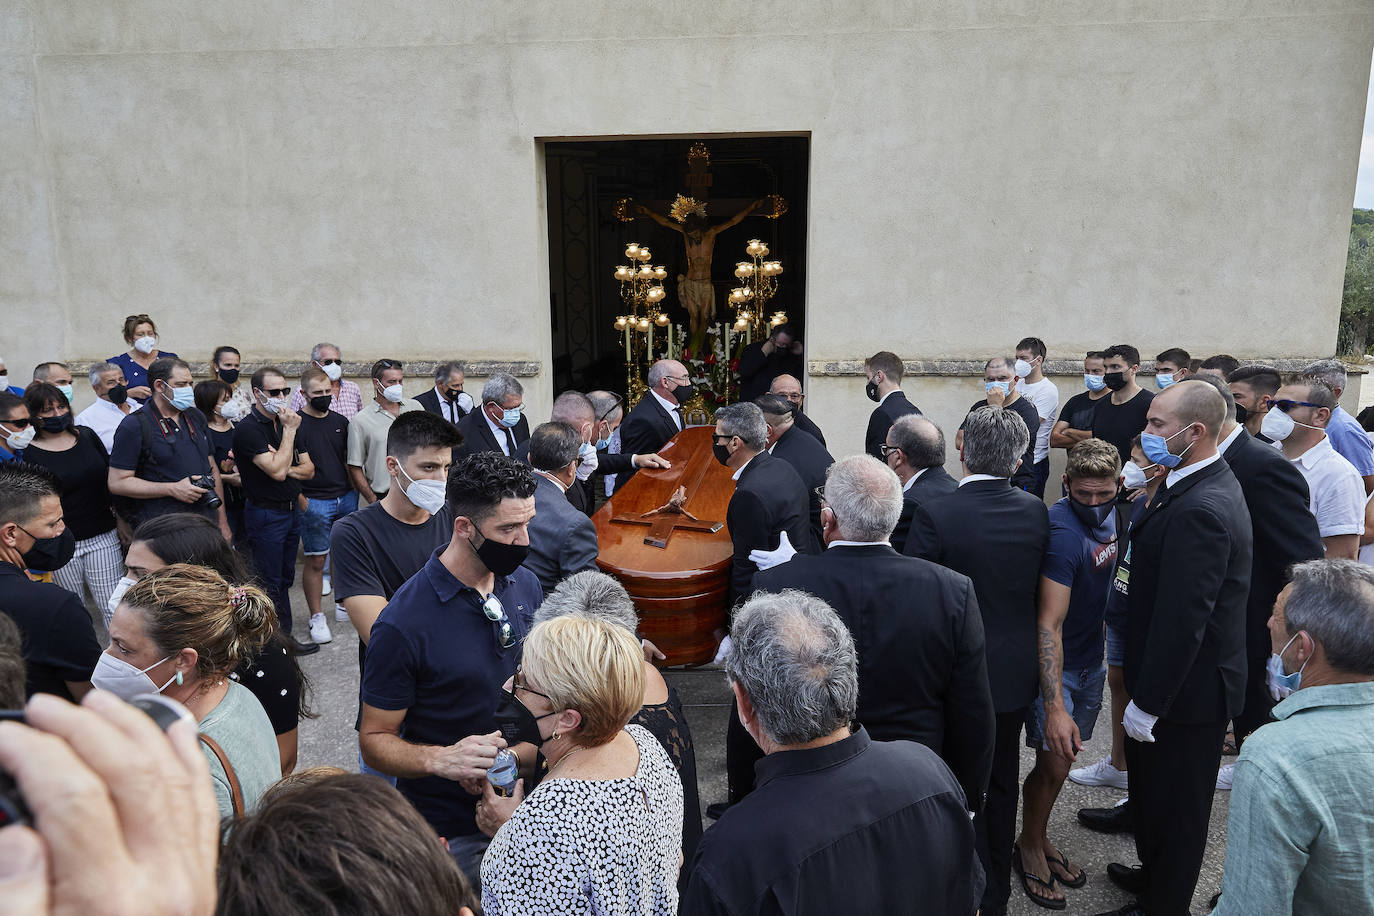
<point>1187,576</point>
<point>788,386</point>
<point>658,415</point>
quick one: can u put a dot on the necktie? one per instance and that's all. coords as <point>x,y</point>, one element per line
<point>510,442</point>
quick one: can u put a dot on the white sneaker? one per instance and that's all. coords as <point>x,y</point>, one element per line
<point>1101,773</point>
<point>319,629</point>
<point>339,613</point>
<point>326,586</point>
<point>1224,777</point>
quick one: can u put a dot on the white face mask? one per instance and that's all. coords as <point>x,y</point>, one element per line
<point>1022,368</point>
<point>425,494</point>
<point>146,344</point>
<point>20,440</point>
<point>1278,425</point>
<point>124,680</point>
<point>117,596</point>
<point>275,405</point>
<point>333,370</point>
<point>393,393</point>
<point>231,411</point>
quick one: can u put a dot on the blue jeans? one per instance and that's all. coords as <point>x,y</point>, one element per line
<point>274,535</point>
<point>319,518</point>
<point>1082,693</point>
<point>467,851</point>
<point>364,768</point>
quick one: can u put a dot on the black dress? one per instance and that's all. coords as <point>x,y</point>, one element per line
<point>271,678</point>
<point>666,722</point>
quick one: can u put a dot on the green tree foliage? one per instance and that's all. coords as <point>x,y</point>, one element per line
<point>1357,300</point>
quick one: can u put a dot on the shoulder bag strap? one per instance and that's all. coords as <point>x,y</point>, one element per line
<point>234,790</point>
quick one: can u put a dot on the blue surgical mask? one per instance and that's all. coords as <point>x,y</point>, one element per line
<point>991,386</point>
<point>1156,448</point>
<point>1164,379</point>
<point>602,443</point>
<point>67,392</point>
<point>1282,685</point>
<point>183,398</point>
<point>1093,382</point>
<point>510,417</point>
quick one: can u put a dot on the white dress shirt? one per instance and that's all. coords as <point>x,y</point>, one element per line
<point>913,478</point>
<point>970,478</point>
<point>670,407</point>
<point>1335,488</point>
<point>447,409</point>
<point>103,418</point>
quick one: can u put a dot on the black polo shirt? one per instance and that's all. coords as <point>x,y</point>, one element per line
<point>858,826</point>
<point>57,638</point>
<point>255,435</point>
<point>176,449</point>
<point>325,439</point>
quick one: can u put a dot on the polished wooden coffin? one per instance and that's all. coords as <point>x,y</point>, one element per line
<point>675,564</point>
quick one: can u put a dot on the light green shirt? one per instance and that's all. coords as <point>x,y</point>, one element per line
<point>241,728</point>
<point>367,441</point>
<point>1300,838</point>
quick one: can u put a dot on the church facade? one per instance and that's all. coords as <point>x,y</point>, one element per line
<point>1160,173</point>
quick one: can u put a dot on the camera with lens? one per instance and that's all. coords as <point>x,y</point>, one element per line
<point>209,499</point>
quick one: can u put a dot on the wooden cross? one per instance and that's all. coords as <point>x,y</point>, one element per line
<point>666,519</point>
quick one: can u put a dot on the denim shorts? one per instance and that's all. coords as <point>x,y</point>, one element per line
<point>319,518</point>
<point>1116,646</point>
<point>1082,699</point>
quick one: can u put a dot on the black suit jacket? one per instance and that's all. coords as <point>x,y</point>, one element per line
<point>922,671</point>
<point>1189,579</point>
<point>807,425</point>
<point>647,428</point>
<point>758,369</point>
<point>810,460</point>
<point>997,536</point>
<point>880,421</point>
<point>1283,529</point>
<point>478,437</point>
<point>429,400</point>
<point>933,484</point>
<point>769,499</point>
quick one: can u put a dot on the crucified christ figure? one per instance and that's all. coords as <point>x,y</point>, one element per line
<point>694,289</point>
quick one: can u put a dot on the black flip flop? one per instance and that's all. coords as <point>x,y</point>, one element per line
<point>1027,877</point>
<point>1063,862</point>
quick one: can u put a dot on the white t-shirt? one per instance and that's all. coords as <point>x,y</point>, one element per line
<point>1044,394</point>
<point>1337,490</point>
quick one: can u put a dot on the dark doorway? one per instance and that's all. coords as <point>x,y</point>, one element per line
<point>587,241</point>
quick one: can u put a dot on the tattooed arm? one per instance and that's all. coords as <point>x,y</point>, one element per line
<point>1061,732</point>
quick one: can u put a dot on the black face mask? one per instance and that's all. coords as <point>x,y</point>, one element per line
<point>722,453</point>
<point>1114,380</point>
<point>118,394</point>
<point>871,389</point>
<point>684,393</point>
<point>501,559</point>
<point>451,395</point>
<point>1092,517</point>
<point>1241,414</point>
<point>58,424</point>
<point>517,724</point>
<point>229,376</point>
<point>48,554</point>
<point>320,403</point>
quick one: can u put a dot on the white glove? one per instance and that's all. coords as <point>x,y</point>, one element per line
<point>767,559</point>
<point>1138,723</point>
<point>465,401</point>
<point>586,467</point>
<point>723,652</point>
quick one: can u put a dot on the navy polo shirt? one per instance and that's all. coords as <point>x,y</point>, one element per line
<point>434,654</point>
<point>177,449</point>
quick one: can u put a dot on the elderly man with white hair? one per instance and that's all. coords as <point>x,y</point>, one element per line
<point>839,823</point>
<point>499,425</point>
<point>112,403</point>
<point>922,671</point>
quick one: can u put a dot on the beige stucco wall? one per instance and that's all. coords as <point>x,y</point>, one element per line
<point>274,173</point>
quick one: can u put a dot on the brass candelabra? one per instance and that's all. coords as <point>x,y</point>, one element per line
<point>758,283</point>
<point>641,290</point>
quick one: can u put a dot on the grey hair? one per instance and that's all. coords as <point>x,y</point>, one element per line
<point>658,372</point>
<point>605,405</point>
<point>746,421</point>
<point>865,496</point>
<point>921,441</point>
<point>1333,600</point>
<point>444,370</point>
<point>573,408</point>
<point>994,439</point>
<point>795,661</point>
<point>590,594</point>
<point>1330,371</point>
<point>317,350</point>
<point>43,371</point>
<point>553,446</point>
<point>500,387</point>
<point>1008,362</point>
<point>100,369</point>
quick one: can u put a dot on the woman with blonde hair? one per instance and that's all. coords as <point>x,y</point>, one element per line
<point>602,832</point>
<point>180,631</point>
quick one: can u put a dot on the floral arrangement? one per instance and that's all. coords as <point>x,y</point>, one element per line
<point>712,360</point>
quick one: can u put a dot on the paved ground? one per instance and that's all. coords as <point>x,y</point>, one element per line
<point>330,739</point>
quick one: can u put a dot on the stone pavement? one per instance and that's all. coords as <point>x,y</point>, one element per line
<point>330,739</point>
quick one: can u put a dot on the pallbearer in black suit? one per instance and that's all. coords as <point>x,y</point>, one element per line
<point>575,409</point>
<point>500,424</point>
<point>997,536</point>
<point>915,450</point>
<point>922,671</point>
<point>1189,576</point>
<point>884,371</point>
<point>609,410</point>
<point>788,386</point>
<point>658,415</point>
<point>807,456</point>
<point>447,398</point>
<point>761,362</point>
<point>562,539</point>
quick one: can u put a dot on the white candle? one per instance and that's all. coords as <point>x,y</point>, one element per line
<point>649,343</point>
<point>627,343</point>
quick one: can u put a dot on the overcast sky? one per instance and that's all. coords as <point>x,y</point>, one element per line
<point>1364,185</point>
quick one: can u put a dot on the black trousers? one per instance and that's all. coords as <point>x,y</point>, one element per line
<point>994,828</point>
<point>1171,783</point>
<point>741,753</point>
<point>1258,703</point>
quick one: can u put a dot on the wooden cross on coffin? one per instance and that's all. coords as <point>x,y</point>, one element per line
<point>666,519</point>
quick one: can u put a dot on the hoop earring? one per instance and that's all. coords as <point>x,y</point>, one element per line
<point>554,736</point>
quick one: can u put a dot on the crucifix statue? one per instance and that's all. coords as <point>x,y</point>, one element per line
<point>687,216</point>
<point>666,519</point>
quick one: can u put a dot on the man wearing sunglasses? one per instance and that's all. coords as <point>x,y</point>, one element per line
<point>16,431</point>
<point>273,464</point>
<point>444,645</point>
<point>1297,421</point>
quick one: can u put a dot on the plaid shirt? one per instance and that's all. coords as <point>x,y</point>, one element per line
<point>348,401</point>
